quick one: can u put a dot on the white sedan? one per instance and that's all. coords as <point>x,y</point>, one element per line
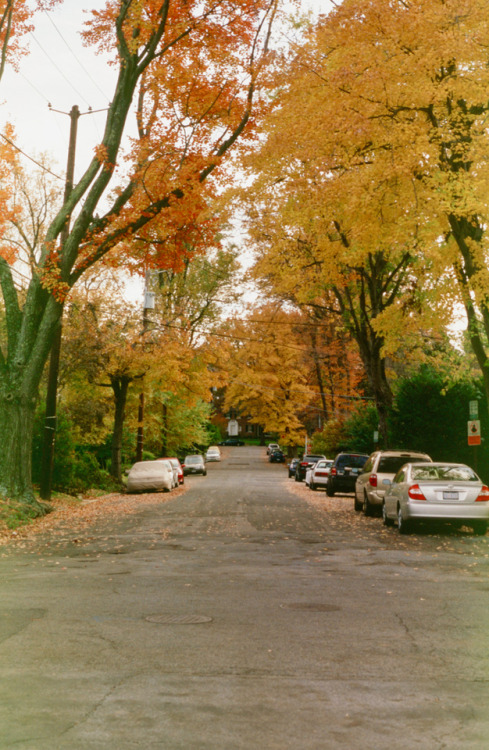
<point>317,475</point>
<point>148,476</point>
<point>213,454</point>
<point>436,492</point>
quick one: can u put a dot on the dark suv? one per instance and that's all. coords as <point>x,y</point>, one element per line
<point>304,464</point>
<point>344,472</point>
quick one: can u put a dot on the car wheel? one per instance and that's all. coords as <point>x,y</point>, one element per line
<point>205,473</point>
<point>385,518</point>
<point>329,491</point>
<point>367,507</point>
<point>403,525</point>
<point>297,479</point>
<point>479,527</point>
<point>357,504</point>
<point>312,486</point>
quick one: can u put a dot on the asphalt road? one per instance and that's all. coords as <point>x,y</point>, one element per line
<point>248,613</point>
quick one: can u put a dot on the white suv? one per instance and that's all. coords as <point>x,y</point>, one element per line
<point>369,490</point>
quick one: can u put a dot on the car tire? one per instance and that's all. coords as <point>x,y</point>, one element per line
<point>366,506</point>
<point>403,525</point>
<point>297,478</point>
<point>329,491</point>
<point>357,504</point>
<point>479,527</point>
<point>385,518</point>
<point>312,486</point>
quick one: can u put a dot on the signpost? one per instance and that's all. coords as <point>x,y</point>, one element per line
<point>474,428</point>
<point>474,432</point>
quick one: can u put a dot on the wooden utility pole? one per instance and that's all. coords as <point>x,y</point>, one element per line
<point>148,305</point>
<point>52,389</point>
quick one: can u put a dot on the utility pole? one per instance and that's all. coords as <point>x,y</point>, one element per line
<point>149,303</point>
<point>52,388</point>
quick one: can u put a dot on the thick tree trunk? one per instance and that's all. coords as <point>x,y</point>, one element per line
<point>374,365</point>
<point>120,387</point>
<point>16,425</point>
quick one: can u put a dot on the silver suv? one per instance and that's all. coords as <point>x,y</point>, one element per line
<point>369,490</point>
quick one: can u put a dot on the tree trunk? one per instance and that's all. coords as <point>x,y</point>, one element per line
<point>120,386</point>
<point>16,425</point>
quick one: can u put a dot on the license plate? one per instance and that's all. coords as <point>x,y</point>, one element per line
<point>450,495</point>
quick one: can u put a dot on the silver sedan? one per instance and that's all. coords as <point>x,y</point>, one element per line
<point>436,491</point>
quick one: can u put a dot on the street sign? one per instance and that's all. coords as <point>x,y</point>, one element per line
<point>474,432</point>
<point>473,409</point>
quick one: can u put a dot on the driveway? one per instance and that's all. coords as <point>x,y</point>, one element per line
<point>244,613</point>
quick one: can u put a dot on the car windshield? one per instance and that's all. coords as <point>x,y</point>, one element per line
<point>392,464</point>
<point>323,464</point>
<point>193,460</point>
<point>445,473</point>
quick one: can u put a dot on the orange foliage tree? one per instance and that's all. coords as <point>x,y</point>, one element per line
<point>192,68</point>
<point>284,372</point>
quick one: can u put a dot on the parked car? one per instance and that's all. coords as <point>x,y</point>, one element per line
<point>344,472</point>
<point>382,464</point>
<point>276,456</point>
<point>304,464</point>
<point>176,465</point>
<point>232,441</point>
<point>317,475</point>
<point>436,491</point>
<point>149,476</point>
<point>272,447</point>
<point>213,454</point>
<point>292,467</point>
<point>194,464</point>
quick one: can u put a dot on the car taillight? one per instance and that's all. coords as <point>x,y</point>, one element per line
<point>333,471</point>
<point>304,463</point>
<point>483,495</point>
<point>415,492</point>
<point>373,480</point>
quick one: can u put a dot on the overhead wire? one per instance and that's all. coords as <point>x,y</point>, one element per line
<point>70,49</point>
<point>9,140</point>
<point>55,65</point>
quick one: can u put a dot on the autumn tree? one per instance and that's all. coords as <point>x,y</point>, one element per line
<point>104,343</point>
<point>417,89</point>
<point>402,89</point>
<point>336,210</point>
<point>267,374</point>
<point>192,69</point>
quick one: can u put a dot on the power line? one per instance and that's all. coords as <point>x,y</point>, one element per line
<point>87,73</point>
<point>55,65</point>
<point>8,140</point>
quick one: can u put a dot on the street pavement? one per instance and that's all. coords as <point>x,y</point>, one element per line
<point>246,613</point>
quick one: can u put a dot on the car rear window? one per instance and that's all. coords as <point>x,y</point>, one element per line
<point>355,461</point>
<point>392,464</point>
<point>445,473</point>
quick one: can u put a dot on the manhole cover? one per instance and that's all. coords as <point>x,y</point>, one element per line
<point>311,606</point>
<point>179,619</point>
